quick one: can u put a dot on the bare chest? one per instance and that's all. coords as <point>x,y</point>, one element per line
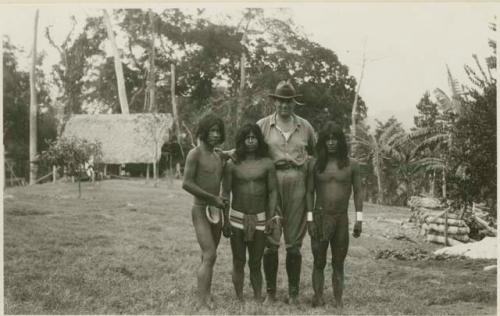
<point>210,164</point>
<point>332,173</point>
<point>248,171</point>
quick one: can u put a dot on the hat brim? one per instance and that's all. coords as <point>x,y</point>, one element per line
<point>275,96</point>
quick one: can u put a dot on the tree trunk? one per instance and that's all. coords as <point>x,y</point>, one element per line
<point>380,193</point>
<point>174,108</point>
<point>444,184</point>
<point>33,108</point>
<point>79,183</point>
<point>239,109</point>
<point>120,81</point>
<point>155,171</point>
<point>147,172</point>
<point>151,74</point>
<point>355,103</point>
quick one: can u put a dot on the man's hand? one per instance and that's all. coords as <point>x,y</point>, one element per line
<point>271,224</point>
<point>356,232</point>
<point>227,231</point>
<point>225,154</point>
<point>219,202</point>
<point>312,230</point>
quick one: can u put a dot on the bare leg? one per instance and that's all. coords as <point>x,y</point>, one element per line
<point>271,271</point>
<point>319,250</point>
<point>208,247</point>
<point>238,248</point>
<point>339,246</point>
<point>256,251</point>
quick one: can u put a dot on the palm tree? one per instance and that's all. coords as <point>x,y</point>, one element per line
<point>376,149</point>
<point>439,138</point>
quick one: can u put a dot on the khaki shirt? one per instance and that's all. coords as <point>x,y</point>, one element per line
<point>293,149</point>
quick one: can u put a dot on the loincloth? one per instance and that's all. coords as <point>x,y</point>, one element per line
<point>249,223</point>
<point>327,223</point>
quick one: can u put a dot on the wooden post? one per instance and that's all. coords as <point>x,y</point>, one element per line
<point>155,171</point>
<point>105,170</point>
<point>147,172</point>
<point>54,174</point>
<point>33,108</point>
<point>446,227</point>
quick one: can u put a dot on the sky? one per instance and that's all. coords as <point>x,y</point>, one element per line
<point>407,45</point>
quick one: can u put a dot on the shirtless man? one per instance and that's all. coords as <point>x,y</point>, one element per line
<point>202,178</point>
<point>332,177</point>
<point>251,179</point>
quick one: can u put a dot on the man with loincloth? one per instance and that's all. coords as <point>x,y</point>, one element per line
<point>332,176</point>
<point>202,178</point>
<point>291,140</point>
<point>251,180</point>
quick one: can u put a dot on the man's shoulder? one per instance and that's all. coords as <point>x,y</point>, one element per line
<point>194,152</point>
<point>303,121</point>
<point>264,120</point>
<point>268,162</point>
<point>354,163</point>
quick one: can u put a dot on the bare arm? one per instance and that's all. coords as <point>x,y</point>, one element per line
<point>310,186</point>
<point>189,184</point>
<point>227,184</point>
<point>272,191</point>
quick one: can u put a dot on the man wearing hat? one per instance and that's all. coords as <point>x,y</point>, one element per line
<point>291,140</point>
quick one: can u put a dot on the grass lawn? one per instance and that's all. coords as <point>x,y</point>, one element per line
<point>127,247</point>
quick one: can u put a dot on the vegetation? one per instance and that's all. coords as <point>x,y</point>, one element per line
<point>436,157</point>
<point>127,248</point>
<point>72,154</point>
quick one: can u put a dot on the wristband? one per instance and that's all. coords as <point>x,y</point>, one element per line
<point>309,216</point>
<point>359,216</point>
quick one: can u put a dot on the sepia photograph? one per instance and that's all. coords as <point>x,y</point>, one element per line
<point>249,158</point>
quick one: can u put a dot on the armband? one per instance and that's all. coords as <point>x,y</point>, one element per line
<point>309,216</point>
<point>359,216</point>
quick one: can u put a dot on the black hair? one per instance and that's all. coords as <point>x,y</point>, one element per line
<point>331,130</point>
<point>206,123</point>
<point>262,148</point>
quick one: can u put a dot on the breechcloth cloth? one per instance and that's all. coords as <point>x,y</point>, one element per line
<point>333,230</point>
<point>291,184</point>
<point>247,222</point>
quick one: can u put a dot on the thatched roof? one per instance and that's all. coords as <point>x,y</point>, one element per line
<point>125,138</point>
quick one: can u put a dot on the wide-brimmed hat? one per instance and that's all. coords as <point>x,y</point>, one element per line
<point>285,90</point>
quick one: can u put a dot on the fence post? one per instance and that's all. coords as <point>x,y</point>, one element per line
<point>54,174</point>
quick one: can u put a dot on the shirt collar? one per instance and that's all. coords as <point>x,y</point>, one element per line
<point>295,119</point>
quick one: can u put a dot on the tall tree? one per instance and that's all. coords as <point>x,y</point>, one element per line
<point>33,106</point>
<point>120,80</point>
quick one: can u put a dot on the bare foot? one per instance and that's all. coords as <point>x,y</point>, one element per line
<point>318,301</point>
<point>339,304</point>
<point>292,300</point>
<point>270,299</point>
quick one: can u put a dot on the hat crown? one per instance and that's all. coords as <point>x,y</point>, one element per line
<point>285,89</point>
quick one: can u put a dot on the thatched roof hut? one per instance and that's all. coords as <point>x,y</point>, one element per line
<point>125,138</point>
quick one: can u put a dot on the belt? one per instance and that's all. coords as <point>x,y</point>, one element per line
<point>284,165</point>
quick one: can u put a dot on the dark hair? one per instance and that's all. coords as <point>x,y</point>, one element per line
<point>206,123</point>
<point>328,131</point>
<point>240,142</point>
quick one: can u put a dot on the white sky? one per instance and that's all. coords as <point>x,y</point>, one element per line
<point>407,44</point>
